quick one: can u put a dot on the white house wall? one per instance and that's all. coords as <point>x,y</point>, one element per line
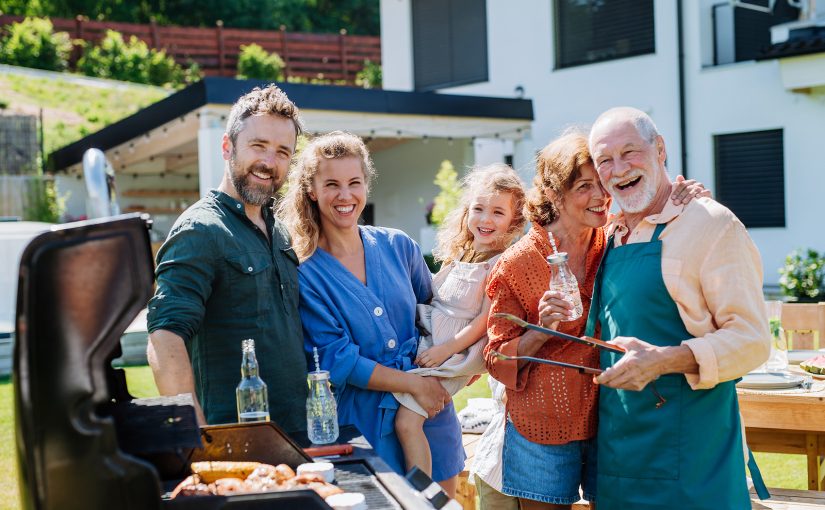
<point>404,185</point>
<point>749,96</point>
<point>741,97</point>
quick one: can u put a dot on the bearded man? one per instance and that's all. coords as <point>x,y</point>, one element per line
<point>680,288</point>
<point>227,273</point>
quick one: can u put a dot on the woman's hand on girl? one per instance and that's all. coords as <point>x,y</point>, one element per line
<point>553,308</point>
<point>686,190</point>
<point>434,356</point>
<point>430,394</point>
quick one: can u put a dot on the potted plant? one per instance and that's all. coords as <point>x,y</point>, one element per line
<point>802,278</point>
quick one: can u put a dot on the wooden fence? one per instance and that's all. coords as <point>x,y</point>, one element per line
<point>327,56</point>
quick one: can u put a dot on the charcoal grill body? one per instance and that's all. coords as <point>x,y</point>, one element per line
<point>79,287</point>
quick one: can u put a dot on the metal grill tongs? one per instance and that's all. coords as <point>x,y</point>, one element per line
<point>586,340</point>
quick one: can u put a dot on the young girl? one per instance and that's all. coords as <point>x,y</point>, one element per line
<point>468,243</point>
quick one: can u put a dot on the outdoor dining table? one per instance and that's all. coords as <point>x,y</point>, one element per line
<point>787,421</point>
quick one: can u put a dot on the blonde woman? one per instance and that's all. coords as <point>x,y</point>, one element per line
<point>359,287</point>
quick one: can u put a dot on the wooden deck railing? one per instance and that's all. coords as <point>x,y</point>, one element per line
<point>215,50</point>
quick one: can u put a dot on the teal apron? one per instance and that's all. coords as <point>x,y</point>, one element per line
<point>688,453</point>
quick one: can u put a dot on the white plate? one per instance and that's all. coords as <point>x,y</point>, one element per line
<point>767,381</point>
<point>796,357</point>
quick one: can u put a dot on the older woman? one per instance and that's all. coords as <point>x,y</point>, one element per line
<point>549,451</point>
<point>359,287</point>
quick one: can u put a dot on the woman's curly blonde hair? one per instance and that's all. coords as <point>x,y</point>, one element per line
<point>558,165</point>
<point>454,235</point>
<point>297,210</point>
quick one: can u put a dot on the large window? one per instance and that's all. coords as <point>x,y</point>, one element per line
<point>750,176</point>
<point>449,42</point>
<point>589,31</point>
<point>741,33</point>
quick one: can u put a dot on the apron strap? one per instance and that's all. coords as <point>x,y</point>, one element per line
<point>658,231</point>
<point>756,476</point>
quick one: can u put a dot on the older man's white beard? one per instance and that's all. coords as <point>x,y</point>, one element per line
<point>638,201</point>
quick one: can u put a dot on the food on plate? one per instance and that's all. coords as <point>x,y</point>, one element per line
<point>210,471</point>
<point>815,365</point>
<point>227,478</point>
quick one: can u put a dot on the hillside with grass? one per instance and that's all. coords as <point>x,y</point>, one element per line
<point>73,106</point>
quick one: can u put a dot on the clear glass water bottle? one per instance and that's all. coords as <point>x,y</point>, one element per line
<point>563,280</point>
<point>322,411</point>
<point>251,394</point>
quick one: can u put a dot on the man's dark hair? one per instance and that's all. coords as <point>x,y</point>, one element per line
<point>269,100</point>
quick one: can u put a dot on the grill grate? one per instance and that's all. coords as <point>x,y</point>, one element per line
<point>356,477</point>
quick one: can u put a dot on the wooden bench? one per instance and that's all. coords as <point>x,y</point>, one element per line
<point>781,499</point>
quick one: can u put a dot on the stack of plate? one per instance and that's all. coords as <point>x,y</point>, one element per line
<point>770,381</point>
<point>796,357</point>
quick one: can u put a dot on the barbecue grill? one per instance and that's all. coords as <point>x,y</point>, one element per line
<point>83,441</point>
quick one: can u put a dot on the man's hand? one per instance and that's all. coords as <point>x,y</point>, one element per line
<point>430,395</point>
<point>641,364</point>
<point>171,367</point>
<point>434,356</point>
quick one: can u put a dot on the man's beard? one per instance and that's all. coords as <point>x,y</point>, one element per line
<point>640,199</point>
<point>252,194</point>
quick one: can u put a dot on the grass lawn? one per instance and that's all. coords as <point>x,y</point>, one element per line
<point>786,471</point>
<point>72,111</point>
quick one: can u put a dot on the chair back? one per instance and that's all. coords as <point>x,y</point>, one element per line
<point>804,324</point>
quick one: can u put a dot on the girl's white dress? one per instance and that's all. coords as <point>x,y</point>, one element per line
<point>458,296</point>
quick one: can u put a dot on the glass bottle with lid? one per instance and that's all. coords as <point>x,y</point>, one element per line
<point>563,280</point>
<point>251,393</point>
<point>322,410</point>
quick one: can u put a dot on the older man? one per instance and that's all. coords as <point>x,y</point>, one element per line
<point>227,272</point>
<point>680,288</point>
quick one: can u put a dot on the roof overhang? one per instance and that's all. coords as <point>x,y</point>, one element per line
<point>164,134</point>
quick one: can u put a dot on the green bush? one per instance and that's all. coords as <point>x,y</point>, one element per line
<point>132,61</point>
<point>369,76</point>
<point>43,202</point>
<point>450,195</point>
<point>33,43</point>
<point>803,277</point>
<point>255,63</point>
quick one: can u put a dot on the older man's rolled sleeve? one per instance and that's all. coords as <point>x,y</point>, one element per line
<point>728,307</point>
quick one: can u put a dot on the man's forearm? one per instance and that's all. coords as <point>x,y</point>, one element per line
<point>171,367</point>
<point>677,360</point>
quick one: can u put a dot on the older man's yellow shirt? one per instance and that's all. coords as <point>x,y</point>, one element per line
<point>713,272</point>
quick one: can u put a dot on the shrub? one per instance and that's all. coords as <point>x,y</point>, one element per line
<point>33,43</point>
<point>43,202</point>
<point>450,195</point>
<point>255,63</point>
<point>132,61</point>
<point>369,76</point>
<point>803,277</point>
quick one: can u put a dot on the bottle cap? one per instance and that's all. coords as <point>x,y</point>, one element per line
<point>318,375</point>
<point>557,258</point>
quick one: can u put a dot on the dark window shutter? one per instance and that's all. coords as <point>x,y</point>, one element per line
<point>752,29</point>
<point>589,31</point>
<point>449,42</point>
<point>750,176</point>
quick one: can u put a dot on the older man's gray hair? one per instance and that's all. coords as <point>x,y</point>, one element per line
<point>641,121</point>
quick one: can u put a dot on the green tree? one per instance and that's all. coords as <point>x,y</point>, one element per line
<point>450,195</point>
<point>129,61</point>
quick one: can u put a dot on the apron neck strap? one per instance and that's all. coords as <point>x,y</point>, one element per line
<point>656,233</point>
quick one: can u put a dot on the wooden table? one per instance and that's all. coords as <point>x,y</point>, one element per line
<point>787,423</point>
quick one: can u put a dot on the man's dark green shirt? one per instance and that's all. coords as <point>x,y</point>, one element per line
<point>220,281</point>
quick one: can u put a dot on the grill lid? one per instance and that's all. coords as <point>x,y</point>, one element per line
<point>80,285</point>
